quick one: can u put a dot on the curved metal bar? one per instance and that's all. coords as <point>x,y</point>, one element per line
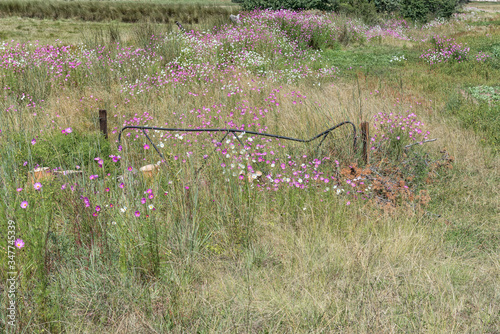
<point>161,155</point>
<point>324,133</point>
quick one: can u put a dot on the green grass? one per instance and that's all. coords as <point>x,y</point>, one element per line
<point>485,23</point>
<point>186,12</point>
<point>222,257</point>
<point>372,57</point>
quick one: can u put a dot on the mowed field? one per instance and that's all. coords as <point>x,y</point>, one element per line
<point>237,232</point>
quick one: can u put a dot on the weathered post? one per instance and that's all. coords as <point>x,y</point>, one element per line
<point>364,137</point>
<point>103,122</point>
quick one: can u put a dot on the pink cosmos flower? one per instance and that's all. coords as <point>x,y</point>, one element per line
<point>33,141</point>
<point>37,186</point>
<point>137,213</point>
<point>19,243</point>
<point>24,204</point>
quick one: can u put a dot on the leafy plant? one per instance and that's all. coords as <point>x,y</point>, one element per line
<point>486,93</point>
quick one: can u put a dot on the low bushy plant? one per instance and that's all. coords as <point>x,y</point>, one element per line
<point>446,50</point>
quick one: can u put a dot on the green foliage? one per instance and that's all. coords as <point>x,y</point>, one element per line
<point>65,150</point>
<point>363,9</point>
<point>486,93</point>
<point>417,10</point>
<point>426,10</point>
<point>288,4</point>
<point>495,50</point>
<point>388,5</point>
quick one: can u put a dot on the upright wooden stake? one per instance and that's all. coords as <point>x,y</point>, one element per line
<point>103,122</point>
<point>364,137</point>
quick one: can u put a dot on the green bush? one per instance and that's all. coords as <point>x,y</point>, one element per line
<point>388,5</point>
<point>420,10</point>
<point>426,10</point>
<point>364,9</point>
<point>288,4</point>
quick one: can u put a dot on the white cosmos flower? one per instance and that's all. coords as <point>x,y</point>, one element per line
<point>123,209</point>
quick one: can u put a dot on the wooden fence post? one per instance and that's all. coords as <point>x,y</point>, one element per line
<point>103,122</point>
<point>364,137</point>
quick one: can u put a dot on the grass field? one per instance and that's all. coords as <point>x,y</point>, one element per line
<point>250,234</point>
<point>118,11</point>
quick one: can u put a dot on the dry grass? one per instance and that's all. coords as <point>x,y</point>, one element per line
<point>310,264</point>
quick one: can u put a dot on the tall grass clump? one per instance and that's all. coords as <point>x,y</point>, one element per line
<point>113,11</point>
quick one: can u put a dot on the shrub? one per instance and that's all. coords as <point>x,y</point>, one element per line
<point>388,5</point>
<point>426,10</point>
<point>288,4</point>
<point>364,9</point>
